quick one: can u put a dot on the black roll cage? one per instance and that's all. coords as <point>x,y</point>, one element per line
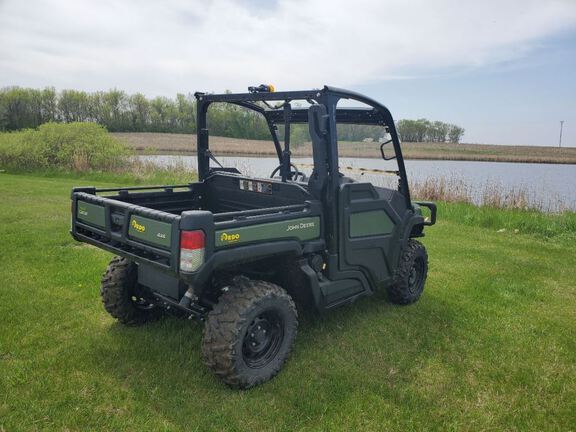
<point>284,113</point>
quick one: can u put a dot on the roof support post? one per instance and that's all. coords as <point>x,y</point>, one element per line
<point>285,169</point>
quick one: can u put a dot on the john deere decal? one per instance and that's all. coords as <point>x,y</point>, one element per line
<point>301,229</point>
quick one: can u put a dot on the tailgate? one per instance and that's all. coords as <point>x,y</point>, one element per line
<point>127,229</point>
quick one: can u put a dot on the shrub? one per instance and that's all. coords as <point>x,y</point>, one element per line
<point>74,147</point>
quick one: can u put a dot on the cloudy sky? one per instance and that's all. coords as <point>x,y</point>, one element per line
<point>505,70</point>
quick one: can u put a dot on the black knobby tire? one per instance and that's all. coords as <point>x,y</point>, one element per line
<point>410,275</point>
<point>121,296</point>
<point>249,334</point>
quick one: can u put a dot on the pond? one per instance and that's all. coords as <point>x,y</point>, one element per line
<point>550,187</point>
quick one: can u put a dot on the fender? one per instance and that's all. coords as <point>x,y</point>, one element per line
<point>242,254</point>
<point>417,219</point>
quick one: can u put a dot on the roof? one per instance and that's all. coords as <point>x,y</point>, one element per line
<point>375,114</point>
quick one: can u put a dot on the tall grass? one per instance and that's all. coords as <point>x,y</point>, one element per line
<point>496,208</point>
<point>516,221</point>
<point>77,147</point>
<point>81,150</point>
<point>492,195</point>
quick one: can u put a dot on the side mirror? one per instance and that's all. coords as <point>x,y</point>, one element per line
<point>382,151</point>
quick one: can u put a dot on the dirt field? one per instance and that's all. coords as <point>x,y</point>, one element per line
<point>162,143</point>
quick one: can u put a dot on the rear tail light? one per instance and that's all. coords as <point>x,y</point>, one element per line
<point>192,247</point>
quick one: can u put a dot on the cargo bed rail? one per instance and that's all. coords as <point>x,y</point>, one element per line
<point>245,214</point>
<point>166,188</point>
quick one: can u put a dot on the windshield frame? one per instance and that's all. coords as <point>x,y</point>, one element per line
<point>374,114</point>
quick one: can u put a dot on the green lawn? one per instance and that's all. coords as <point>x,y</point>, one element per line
<point>490,346</point>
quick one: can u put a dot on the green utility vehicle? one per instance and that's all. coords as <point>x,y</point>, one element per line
<point>236,252</point>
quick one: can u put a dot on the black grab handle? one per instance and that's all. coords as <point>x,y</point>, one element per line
<point>432,206</point>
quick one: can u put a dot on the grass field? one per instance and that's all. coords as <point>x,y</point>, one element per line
<point>180,143</point>
<point>490,346</point>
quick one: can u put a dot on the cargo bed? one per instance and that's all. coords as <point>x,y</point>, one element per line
<point>144,223</point>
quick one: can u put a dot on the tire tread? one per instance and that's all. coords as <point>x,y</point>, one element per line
<point>398,291</point>
<point>224,325</point>
<point>115,287</point>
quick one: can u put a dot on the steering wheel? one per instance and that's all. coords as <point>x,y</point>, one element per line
<point>294,174</point>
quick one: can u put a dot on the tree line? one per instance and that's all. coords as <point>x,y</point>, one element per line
<point>423,130</point>
<point>22,108</point>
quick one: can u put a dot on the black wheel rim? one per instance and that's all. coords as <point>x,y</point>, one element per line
<point>416,275</point>
<point>262,340</point>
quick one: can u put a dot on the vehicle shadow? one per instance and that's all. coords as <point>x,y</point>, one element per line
<point>336,355</point>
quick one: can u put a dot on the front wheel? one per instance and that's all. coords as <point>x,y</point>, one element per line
<point>249,334</point>
<point>410,275</point>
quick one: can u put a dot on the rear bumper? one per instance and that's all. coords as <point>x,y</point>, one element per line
<point>123,250</point>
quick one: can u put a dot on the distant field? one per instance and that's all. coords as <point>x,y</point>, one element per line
<point>181,143</point>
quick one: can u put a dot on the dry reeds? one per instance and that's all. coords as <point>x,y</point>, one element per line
<point>490,194</point>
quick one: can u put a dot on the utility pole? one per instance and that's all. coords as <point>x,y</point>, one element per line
<point>561,127</point>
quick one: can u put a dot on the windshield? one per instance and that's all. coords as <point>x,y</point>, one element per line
<point>241,139</point>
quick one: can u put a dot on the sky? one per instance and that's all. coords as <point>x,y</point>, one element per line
<point>504,70</point>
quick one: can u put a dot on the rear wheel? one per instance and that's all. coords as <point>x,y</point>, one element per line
<point>410,275</point>
<point>122,297</point>
<point>249,334</point>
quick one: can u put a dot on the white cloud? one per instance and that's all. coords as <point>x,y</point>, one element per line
<point>180,46</point>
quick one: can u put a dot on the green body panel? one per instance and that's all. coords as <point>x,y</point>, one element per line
<point>91,214</point>
<point>302,229</point>
<point>150,231</point>
<point>368,223</point>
